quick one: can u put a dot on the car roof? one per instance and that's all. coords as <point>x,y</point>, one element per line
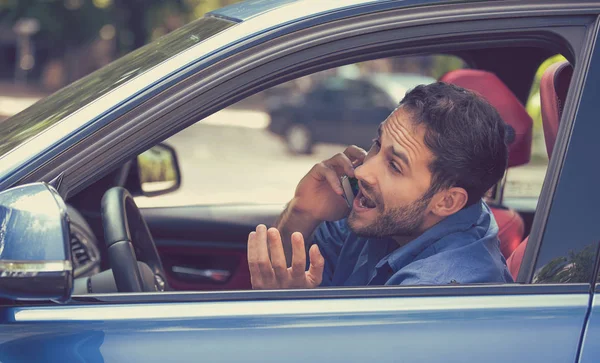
<point>251,8</point>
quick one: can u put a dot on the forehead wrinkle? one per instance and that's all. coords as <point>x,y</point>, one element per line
<point>404,138</point>
<point>408,131</point>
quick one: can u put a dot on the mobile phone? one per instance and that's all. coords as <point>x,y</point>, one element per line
<point>350,186</point>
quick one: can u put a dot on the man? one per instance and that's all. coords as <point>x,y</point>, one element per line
<point>418,217</point>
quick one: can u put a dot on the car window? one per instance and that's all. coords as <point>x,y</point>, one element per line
<point>274,132</point>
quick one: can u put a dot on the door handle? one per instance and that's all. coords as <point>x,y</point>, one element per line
<point>213,275</point>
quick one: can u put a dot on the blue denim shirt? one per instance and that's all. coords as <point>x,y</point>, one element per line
<point>463,248</point>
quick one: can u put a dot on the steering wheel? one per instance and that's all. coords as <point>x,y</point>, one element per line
<point>128,239</point>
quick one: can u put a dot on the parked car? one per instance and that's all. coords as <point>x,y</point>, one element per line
<point>337,110</point>
<point>153,291</point>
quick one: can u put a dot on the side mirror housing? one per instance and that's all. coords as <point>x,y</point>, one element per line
<point>158,170</point>
<point>35,251</point>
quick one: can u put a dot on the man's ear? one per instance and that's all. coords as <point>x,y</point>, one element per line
<point>449,201</point>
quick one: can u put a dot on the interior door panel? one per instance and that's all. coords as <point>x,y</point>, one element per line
<point>204,247</point>
<point>201,268</point>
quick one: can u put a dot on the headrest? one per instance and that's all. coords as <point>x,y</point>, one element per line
<point>510,109</point>
<point>553,93</point>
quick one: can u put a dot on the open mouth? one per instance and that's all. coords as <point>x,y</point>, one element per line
<point>364,202</point>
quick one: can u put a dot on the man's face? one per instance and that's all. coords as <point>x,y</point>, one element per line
<point>394,180</point>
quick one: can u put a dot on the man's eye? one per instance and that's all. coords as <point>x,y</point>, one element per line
<point>395,168</point>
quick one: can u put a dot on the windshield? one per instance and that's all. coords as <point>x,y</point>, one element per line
<point>66,101</point>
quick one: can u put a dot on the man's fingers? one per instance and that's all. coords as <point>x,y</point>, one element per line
<point>262,253</point>
<point>298,256</point>
<point>355,154</point>
<point>341,164</point>
<point>252,254</point>
<point>277,256</point>
<point>331,176</point>
<point>314,275</point>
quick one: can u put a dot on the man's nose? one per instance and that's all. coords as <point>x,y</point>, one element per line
<point>364,172</point>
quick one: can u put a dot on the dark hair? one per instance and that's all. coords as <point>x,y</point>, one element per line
<point>465,134</point>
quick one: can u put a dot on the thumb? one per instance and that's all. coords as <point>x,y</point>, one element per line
<point>314,275</point>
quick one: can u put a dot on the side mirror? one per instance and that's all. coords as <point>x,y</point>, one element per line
<point>158,170</point>
<point>35,251</point>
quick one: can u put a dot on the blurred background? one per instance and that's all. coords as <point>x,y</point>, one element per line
<point>254,151</point>
<point>47,44</point>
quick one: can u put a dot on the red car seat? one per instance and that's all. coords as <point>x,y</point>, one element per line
<point>511,227</point>
<point>553,93</point>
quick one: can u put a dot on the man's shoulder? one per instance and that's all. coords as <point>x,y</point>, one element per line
<point>470,254</point>
<point>477,264</point>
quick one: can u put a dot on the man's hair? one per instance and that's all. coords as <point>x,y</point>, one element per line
<point>465,134</point>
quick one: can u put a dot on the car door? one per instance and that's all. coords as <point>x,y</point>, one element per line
<point>204,247</point>
<point>514,322</point>
<point>492,324</point>
<point>590,349</point>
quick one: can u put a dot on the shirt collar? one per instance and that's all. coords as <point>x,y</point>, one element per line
<point>457,222</point>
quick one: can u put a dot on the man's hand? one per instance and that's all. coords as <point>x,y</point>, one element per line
<point>318,195</point>
<point>273,273</point>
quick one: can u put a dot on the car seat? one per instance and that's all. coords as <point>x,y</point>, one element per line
<point>511,227</point>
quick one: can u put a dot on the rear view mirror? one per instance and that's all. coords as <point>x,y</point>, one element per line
<point>158,170</point>
<point>35,252</point>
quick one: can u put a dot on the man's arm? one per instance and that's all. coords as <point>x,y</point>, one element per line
<point>318,198</point>
<point>291,220</point>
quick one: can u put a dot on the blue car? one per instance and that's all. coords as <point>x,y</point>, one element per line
<point>87,276</point>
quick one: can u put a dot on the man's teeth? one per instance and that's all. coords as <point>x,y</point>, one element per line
<point>366,203</point>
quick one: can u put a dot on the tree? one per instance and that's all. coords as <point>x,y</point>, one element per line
<point>68,27</point>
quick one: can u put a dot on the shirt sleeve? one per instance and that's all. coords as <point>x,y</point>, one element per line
<point>330,237</point>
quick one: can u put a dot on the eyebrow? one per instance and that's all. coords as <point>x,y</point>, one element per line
<point>400,155</point>
<point>397,153</point>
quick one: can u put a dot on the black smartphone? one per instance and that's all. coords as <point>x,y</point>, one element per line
<point>350,186</point>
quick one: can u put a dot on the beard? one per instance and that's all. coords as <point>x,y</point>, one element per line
<point>400,221</point>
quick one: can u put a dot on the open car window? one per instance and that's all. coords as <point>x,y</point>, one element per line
<point>255,152</point>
